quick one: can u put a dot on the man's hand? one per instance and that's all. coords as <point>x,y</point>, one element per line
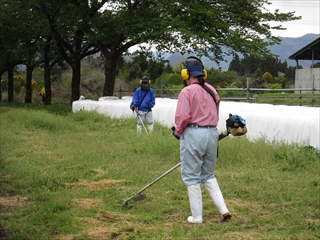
<point>174,133</point>
<point>132,108</point>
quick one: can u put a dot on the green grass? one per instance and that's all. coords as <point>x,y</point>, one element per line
<point>291,99</point>
<point>62,174</point>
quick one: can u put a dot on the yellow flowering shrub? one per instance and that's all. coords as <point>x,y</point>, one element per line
<point>268,77</point>
<point>34,85</point>
<point>20,84</point>
<point>19,80</point>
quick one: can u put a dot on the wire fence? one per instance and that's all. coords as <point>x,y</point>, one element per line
<point>289,96</point>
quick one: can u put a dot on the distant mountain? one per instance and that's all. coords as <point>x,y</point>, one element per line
<point>289,46</point>
<point>286,48</point>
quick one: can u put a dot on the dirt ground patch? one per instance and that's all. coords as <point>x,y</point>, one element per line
<point>87,203</point>
<point>13,201</point>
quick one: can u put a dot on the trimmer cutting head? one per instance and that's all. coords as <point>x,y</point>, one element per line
<point>137,197</point>
<point>124,204</point>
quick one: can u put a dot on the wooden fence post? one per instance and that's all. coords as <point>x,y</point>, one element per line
<point>248,91</point>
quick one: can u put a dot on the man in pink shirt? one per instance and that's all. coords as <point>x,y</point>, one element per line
<point>196,118</point>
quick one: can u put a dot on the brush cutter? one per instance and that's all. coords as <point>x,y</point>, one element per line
<point>140,195</point>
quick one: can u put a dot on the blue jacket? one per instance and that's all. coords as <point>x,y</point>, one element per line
<point>149,99</point>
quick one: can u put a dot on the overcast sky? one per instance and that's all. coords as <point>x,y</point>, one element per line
<point>309,10</point>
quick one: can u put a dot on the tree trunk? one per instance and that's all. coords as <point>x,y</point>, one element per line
<point>28,98</point>
<point>2,71</point>
<point>110,76</point>
<point>0,87</point>
<point>46,76</point>
<point>10,83</point>
<point>47,85</point>
<point>76,75</point>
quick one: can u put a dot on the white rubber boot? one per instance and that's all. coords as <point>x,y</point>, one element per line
<point>139,129</point>
<point>213,188</point>
<point>195,199</point>
<point>150,128</point>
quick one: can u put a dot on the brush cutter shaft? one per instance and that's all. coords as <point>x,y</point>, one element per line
<point>136,110</point>
<point>153,182</point>
<point>158,178</point>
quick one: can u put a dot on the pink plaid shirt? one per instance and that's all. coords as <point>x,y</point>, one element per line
<point>196,106</point>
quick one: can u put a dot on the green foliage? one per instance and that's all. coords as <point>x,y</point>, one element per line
<point>169,80</point>
<point>281,79</point>
<point>222,79</point>
<point>37,75</point>
<point>142,66</point>
<point>177,68</point>
<point>170,84</point>
<point>63,181</point>
<point>33,30</point>
<point>224,93</point>
<point>271,66</point>
<point>235,64</point>
<point>297,158</point>
<point>275,86</point>
<point>257,81</point>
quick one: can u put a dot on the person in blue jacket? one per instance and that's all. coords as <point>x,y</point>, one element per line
<point>142,102</point>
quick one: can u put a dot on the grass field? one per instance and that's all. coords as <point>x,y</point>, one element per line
<point>63,173</point>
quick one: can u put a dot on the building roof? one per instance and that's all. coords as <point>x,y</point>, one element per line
<point>306,52</point>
